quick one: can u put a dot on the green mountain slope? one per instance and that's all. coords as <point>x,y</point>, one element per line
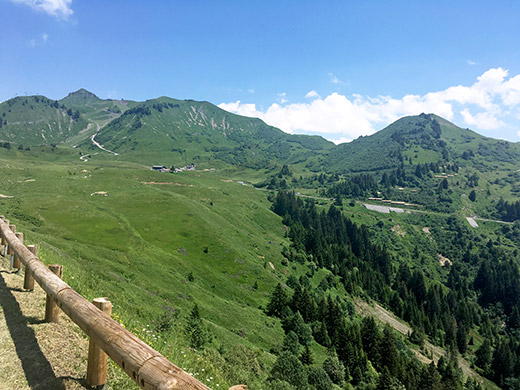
<point>420,139</point>
<point>36,120</point>
<point>169,131</point>
<point>158,243</point>
<point>93,108</point>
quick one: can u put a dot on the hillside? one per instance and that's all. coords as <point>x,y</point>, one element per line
<point>170,131</point>
<point>418,139</point>
<point>94,109</point>
<point>36,120</point>
<point>277,239</point>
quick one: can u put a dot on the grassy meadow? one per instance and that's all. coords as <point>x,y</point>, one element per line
<point>155,245</point>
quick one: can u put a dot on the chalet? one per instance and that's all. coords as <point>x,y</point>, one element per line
<point>160,168</point>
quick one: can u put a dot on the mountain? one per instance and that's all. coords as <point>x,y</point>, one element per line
<point>81,99</point>
<point>35,120</point>
<point>169,131</point>
<point>93,108</point>
<point>418,139</point>
<point>304,261</point>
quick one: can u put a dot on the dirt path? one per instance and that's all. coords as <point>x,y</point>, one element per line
<point>472,222</point>
<point>386,316</point>
<point>492,220</point>
<point>98,144</point>
<point>33,354</point>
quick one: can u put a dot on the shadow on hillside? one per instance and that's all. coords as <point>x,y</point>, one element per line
<point>38,371</point>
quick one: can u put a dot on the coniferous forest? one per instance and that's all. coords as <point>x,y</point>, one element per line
<point>468,305</point>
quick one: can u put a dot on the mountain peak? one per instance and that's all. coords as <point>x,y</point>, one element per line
<point>81,94</point>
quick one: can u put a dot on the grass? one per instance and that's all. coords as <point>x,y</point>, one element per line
<point>138,246</point>
<point>160,242</point>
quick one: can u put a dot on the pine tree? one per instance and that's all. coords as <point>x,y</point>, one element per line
<point>388,351</point>
<point>319,378</point>
<point>430,378</point>
<point>195,329</point>
<point>278,302</point>
<point>306,356</point>
<point>473,196</point>
<point>291,343</point>
<point>335,369</point>
<point>385,380</point>
<point>371,336</point>
<point>288,368</point>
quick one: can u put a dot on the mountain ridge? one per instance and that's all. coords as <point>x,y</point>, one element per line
<point>179,131</point>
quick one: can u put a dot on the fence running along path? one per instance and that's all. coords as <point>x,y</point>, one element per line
<point>147,367</point>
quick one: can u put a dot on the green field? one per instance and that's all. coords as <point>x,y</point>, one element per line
<point>155,249</point>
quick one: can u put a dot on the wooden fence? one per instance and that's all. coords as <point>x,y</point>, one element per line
<point>147,367</point>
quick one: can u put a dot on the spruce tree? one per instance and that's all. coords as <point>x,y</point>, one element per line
<point>278,302</point>
<point>306,356</point>
<point>195,329</point>
<point>288,368</point>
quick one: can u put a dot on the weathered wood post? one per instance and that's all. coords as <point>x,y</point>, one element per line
<point>52,310</point>
<point>4,241</point>
<point>16,259</point>
<point>10,251</point>
<point>97,358</point>
<point>28,281</point>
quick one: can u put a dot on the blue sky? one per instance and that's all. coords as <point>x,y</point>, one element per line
<point>335,68</point>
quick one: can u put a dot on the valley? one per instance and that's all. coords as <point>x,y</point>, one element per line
<point>287,244</point>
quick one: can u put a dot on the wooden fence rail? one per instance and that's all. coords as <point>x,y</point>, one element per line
<point>147,367</point>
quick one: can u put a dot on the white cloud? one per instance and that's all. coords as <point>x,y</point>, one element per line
<point>342,140</point>
<point>251,90</point>
<point>42,40</point>
<point>471,63</point>
<point>57,8</point>
<point>334,79</point>
<point>282,97</point>
<point>485,105</point>
<point>484,120</point>
<point>312,94</point>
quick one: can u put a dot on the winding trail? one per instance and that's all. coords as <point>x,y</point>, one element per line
<point>98,144</point>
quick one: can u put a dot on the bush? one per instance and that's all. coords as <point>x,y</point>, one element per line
<point>335,369</point>
<point>319,378</point>
<point>278,384</point>
<point>243,364</point>
<point>289,369</point>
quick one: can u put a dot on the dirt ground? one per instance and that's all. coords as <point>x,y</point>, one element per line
<point>34,354</point>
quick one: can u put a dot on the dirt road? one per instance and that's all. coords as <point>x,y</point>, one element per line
<point>36,355</point>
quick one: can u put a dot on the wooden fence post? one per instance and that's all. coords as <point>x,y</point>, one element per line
<point>4,241</point>
<point>97,358</point>
<point>16,259</point>
<point>28,281</point>
<point>10,251</point>
<point>52,310</point>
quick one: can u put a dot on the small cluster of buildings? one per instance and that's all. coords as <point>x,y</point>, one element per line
<point>162,168</point>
